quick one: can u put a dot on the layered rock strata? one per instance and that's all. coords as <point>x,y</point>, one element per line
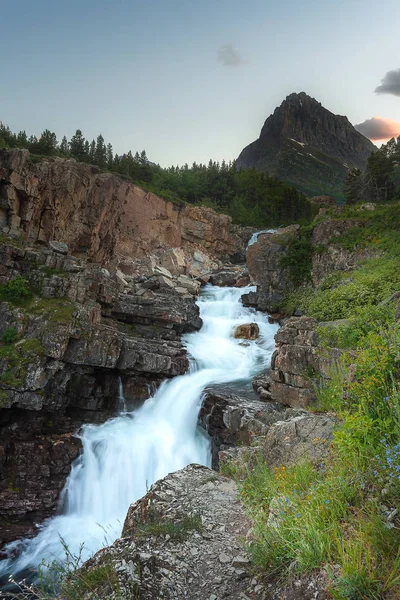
<point>64,353</point>
<point>299,364</point>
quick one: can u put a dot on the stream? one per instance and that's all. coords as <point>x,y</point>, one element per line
<point>124,456</point>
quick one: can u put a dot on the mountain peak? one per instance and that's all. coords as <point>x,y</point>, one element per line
<point>303,142</point>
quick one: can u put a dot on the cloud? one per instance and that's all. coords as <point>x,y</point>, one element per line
<point>379,128</point>
<point>390,84</point>
<point>229,56</point>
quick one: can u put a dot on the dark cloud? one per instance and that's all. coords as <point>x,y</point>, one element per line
<point>379,128</point>
<point>229,56</point>
<point>390,84</point>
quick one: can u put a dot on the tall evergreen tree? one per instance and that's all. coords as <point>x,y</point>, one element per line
<point>64,146</point>
<point>100,154</point>
<point>77,146</point>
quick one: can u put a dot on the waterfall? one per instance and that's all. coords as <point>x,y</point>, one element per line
<point>122,408</point>
<point>122,457</point>
<point>255,235</point>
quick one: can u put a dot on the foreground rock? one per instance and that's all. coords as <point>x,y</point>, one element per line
<point>183,539</point>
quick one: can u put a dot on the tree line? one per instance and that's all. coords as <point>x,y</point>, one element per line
<point>250,197</point>
<point>380,182</point>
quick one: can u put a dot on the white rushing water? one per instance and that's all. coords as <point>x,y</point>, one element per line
<point>254,237</point>
<point>124,456</point>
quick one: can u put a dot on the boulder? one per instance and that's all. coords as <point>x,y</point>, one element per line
<point>173,260</point>
<point>298,363</point>
<point>235,419</point>
<point>59,247</point>
<point>247,331</point>
<point>232,277</point>
<point>305,437</point>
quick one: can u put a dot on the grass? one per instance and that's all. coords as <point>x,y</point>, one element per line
<point>16,358</point>
<point>156,525</point>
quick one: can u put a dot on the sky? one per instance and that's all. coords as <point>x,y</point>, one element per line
<point>189,81</point>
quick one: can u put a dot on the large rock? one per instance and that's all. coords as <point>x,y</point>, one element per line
<point>174,260</point>
<point>247,331</point>
<point>101,214</point>
<point>235,419</point>
<point>298,363</point>
<point>264,261</point>
<point>305,437</point>
<point>182,540</point>
<point>232,276</point>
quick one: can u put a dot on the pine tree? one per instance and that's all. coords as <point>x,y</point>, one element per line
<point>64,146</point>
<point>100,155</point>
<point>110,157</point>
<point>77,145</point>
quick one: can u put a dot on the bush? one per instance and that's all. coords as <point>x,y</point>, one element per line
<point>9,336</point>
<point>17,291</point>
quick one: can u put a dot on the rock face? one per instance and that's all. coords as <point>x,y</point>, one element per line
<point>298,363</point>
<point>183,539</point>
<point>63,355</point>
<point>99,214</point>
<point>264,259</point>
<point>307,146</point>
<point>333,257</point>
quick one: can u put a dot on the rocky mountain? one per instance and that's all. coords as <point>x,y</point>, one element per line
<point>305,145</point>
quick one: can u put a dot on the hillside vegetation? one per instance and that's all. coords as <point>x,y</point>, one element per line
<point>340,518</point>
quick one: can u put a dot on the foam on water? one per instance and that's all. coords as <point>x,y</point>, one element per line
<point>124,456</point>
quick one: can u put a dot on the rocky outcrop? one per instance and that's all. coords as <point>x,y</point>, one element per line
<point>305,437</point>
<point>232,276</point>
<point>328,256</point>
<point>183,539</point>
<point>264,261</point>
<point>307,146</point>
<point>299,363</point>
<point>101,215</point>
<point>233,420</point>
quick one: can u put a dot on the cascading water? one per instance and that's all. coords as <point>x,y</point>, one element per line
<point>124,456</point>
<point>255,235</point>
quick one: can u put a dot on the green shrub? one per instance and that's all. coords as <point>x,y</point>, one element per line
<point>9,336</point>
<point>17,291</point>
<point>298,259</point>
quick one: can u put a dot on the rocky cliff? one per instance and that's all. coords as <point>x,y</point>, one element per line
<point>100,215</point>
<point>307,146</point>
<point>72,333</point>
